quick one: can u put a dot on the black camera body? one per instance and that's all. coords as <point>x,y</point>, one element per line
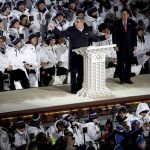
<point>38,34</point>
<point>85,130</point>
<point>115,8</point>
<point>21,36</point>
<point>31,18</point>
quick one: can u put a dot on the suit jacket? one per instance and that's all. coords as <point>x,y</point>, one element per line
<point>125,40</point>
<point>77,39</point>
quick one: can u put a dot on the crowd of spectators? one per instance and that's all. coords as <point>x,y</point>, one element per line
<point>127,131</point>
<point>32,55</point>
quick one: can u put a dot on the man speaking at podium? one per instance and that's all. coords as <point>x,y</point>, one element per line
<point>79,36</point>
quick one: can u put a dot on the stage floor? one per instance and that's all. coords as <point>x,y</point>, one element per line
<point>49,97</point>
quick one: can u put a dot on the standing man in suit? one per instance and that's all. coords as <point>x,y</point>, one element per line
<point>124,36</point>
<point>79,36</point>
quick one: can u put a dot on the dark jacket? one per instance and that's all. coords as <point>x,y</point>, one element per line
<point>125,40</point>
<point>77,39</point>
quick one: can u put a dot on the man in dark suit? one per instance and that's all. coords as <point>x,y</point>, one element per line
<point>79,36</point>
<point>124,36</point>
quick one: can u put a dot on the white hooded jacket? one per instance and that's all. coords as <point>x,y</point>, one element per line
<point>93,22</point>
<point>141,50</point>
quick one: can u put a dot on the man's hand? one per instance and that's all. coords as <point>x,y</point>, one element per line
<point>43,64</point>
<point>107,35</point>
<point>27,66</point>
<point>9,68</point>
<point>116,49</point>
<point>52,27</point>
<point>59,63</point>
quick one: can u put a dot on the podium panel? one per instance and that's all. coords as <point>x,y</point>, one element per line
<point>94,84</point>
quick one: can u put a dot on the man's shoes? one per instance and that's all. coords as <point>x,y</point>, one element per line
<point>74,91</point>
<point>121,82</point>
<point>128,82</point>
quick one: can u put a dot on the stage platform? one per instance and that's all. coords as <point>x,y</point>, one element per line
<point>58,98</point>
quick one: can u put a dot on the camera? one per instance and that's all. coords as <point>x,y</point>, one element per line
<point>31,136</point>
<point>38,34</point>
<point>47,16</point>
<point>9,4</point>
<point>2,50</point>
<point>100,10</point>
<point>115,8</point>
<point>85,130</point>
<point>31,18</point>
<point>21,36</point>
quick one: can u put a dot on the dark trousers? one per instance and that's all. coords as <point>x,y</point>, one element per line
<point>145,68</point>
<point>18,75</point>
<point>124,65</point>
<point>46,75</point>
<point>62,71</point>
<point>76,81</point>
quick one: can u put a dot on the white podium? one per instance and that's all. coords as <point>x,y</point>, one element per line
<point>94,77</point>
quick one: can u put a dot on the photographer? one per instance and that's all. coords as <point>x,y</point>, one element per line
<point>35,127</point>
<point>57,130</point>
<point>92,132</point>
<point>21,135</point>
<point>75,128</point>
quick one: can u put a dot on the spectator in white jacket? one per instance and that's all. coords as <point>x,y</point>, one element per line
<point>16,68</point>
<point>25,27</point>
<point>79,13</point>
<point>143,50</point>
<point>4,62</point>
<point>59,21</point>
<point>48,61</point>
<point>21,135</point>
<point>20,9</point>
<point>5,143</point>
<point>142,112</point>
<point>39,12</point>
<point>74,127</point>
<point>14,30</point>
<point>35,127</point>
<point>92,19</point>
<point>2,28</point>
<point>111,56</point>
<point>70,10</point>
<point>6,14</point>
<point>62,52</point>
<point>32,59</point>
<point>91,129</point>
